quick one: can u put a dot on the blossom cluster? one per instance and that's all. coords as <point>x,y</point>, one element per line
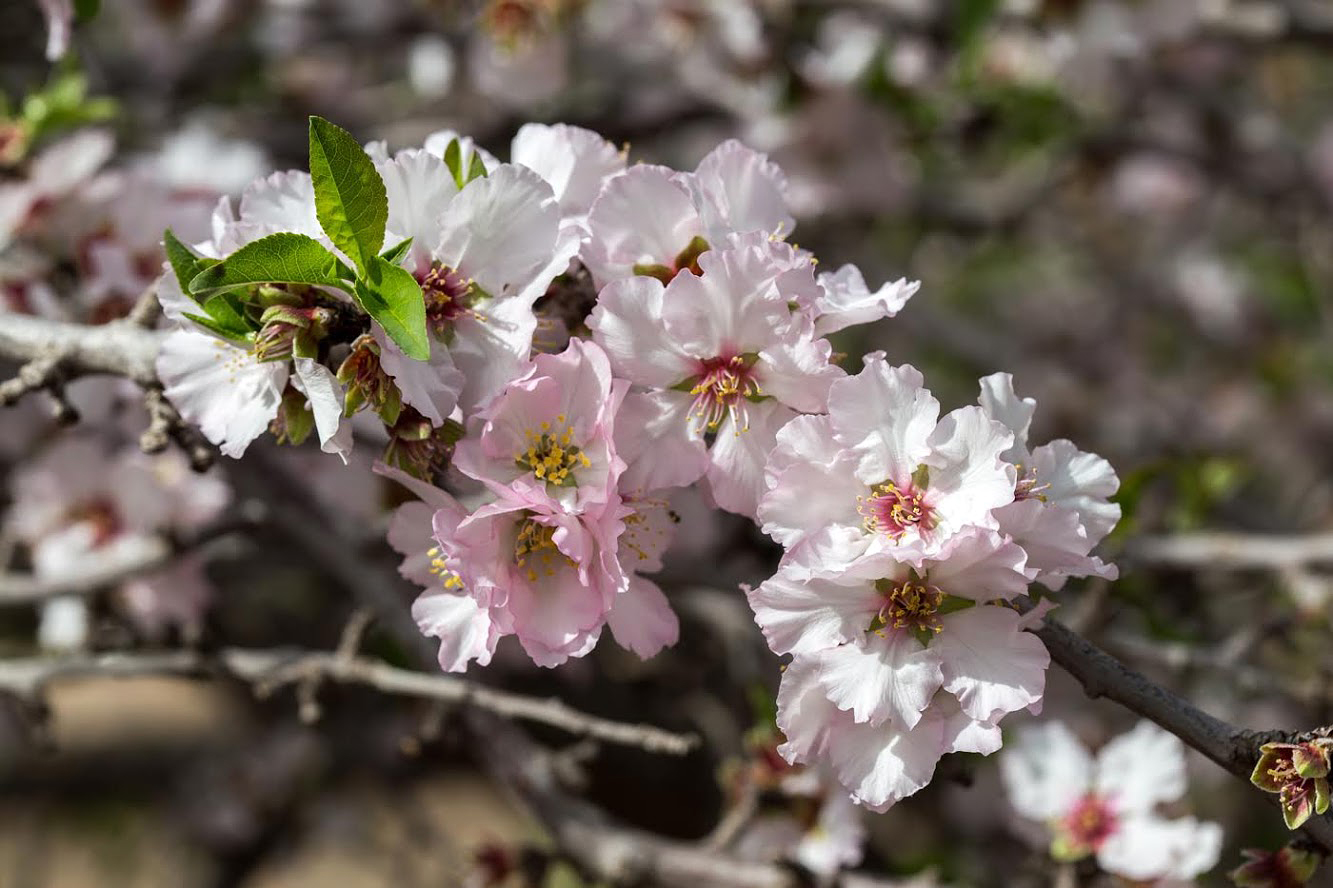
<point>550,347</point>
<point>909,538</point>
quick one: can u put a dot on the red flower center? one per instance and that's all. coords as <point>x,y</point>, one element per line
<point>721,388</point>
<point>893,510</point>
<point>1088,824</point>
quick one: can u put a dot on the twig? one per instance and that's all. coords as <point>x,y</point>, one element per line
<point>118,348</point>
<point>54,352</point>
<point>603,850</point>
<point>735,819</point>
<point>166,425</point>
<point>147,310</point>
<point>270,670</point>
<point>1102,675</point>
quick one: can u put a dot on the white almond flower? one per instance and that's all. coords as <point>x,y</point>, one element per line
<point>1107,806</point>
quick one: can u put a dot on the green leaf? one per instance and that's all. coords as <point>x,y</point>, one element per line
<point>220,329</point>
<point>283,258</point>
<point>87,10</point>
<point>225,315</point>
<point>392,296</point>
<point>185,262</point>
<point>453,159</point>
<point>476,169</point>
<point>228,310</point>
<point>350,199</point>
<point>395,254</point>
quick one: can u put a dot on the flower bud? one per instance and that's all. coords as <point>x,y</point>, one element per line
<point>295,420</point>
<point>1289,867</point>
<point>366,382</point>
<point>1298,773</point>
<point>288,330</point>
<point>417,447</point>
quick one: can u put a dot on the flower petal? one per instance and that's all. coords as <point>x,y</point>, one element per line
<point>990,665</point>
<point>1046,770</point>
<point>885,677</point>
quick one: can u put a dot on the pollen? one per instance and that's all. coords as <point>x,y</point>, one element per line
<point>448,296</point>
<point>553,457</point>
<point>535,551</point>
<point>721,389</point>
<point>1028,487</point>
<point>1085,827</point>
<point>438,566</point>
<point>893,510</point>
<point>911,605</point>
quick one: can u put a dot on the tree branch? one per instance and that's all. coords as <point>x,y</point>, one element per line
<point>54,352</point>
<point>120,348</point>
<point>1101,675</point>
<point>605,851</point>
<point>270,670</point>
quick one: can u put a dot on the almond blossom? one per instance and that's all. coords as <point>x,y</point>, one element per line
<point>483,254</point>
<point>653,220</point>
<point>234,393</point>
<point>445,610</point>
<point>725,362</point>
<point>550,432</point>
<point>878,765</point>
<point>553,554</point>
<point>575,162</point>
<point>883,472</point>
<point>888,634</point>
<point>1106,806</point>
<point>1061,508</point>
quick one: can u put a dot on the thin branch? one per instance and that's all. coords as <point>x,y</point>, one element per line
<point>603,850</point>
<point>119,348</point>
<point>147,309</point>
<point>270,670</point>
<point>1101,675</point>
<point>54,352</point>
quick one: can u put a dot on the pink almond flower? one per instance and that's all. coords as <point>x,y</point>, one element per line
<point>550,431</point>
<point>725,364</point>
<point>877,765</point>
<point>888,635</point>
<point>545,575</point>
<point>1107,806</point>
<point>444,610</point>
<point>1061,508</point>
<point>654,220</point>
<point>883,472</point>
<point>641,619</point>
<point>841,298</point>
